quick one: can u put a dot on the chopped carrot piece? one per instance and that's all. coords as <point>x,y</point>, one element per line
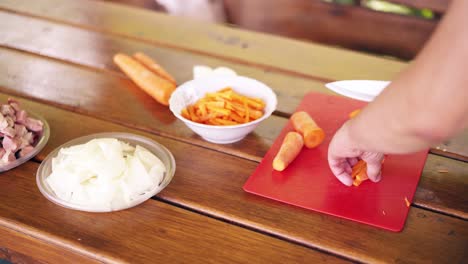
<point>357,182</point>
<point>219,110</point>
<point>255,114</point>
<point>224,107</point>
<point>227,89</point>
<point>247,112</point>
<point>354,113</point>
<point>217,104</point>
<point>304,124</point>
<point>359,173</point>
<point>225,122</point>
<point>237,118</point>
<point>407,202</point>
<point>192,113</point>
<point>255,104</point>
<point>185,113</point>
<point>290,148</point>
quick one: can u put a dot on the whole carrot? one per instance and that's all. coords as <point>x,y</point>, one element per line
<point>304,124</point>
<point>290,148</point>
<point>153,66</point>
<point>159,88</point>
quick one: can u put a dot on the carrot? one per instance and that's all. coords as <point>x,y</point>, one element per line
<point>290,148</point>
<point>359,173</point>
<point>408,204</point>
<point>159,88</point>
<point>304,124</point>
<point>153,66</point>
<point>354,113</point>
<point>225,108</point>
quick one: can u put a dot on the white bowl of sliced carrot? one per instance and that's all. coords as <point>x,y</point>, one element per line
<point>223,109</point>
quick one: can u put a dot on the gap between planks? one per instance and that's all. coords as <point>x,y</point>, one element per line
<point>175,47</point>
<point>96,69</point>
<point>277,113</point>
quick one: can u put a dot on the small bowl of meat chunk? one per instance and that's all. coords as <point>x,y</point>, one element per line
<point>22,134</point>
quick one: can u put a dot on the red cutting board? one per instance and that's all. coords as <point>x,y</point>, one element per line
<point>308,182</point>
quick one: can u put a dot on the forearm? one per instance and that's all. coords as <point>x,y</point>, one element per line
<point>428,102</point>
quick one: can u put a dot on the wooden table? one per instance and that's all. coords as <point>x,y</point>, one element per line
<point>56,58</point>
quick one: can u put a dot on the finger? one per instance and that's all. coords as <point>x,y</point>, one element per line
<point>345,178</point>
<point>352,161</point>
<point>338,167</point>
<point>348,169</point>
<point>374,169</point>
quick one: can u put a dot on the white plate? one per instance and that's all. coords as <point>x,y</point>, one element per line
<point>364,90</point>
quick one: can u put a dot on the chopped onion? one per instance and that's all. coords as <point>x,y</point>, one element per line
<point>104,173</point>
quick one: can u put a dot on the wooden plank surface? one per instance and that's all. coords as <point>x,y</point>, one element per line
<point>82,48</point>
<point>36,251</point>
<point>450,178</point>
<point>456,147</point>
<point>8,256</point>
<point>86,48</point>
<point>434,193</point>
<point>32,78</point>
<point>153,231</point>
<point>259,50</point>
<point>427,235</point>
<point>195,170</point>
<point>96,50</point>
<point>44,81</point>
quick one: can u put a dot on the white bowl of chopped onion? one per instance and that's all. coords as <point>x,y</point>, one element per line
<point>105,172</point>
<point>189,94</point>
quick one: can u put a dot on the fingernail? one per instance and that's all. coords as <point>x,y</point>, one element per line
<point>346,181</point>
<point>379,177</point>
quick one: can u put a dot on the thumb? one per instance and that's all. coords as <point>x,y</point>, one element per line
<point>374,166</point>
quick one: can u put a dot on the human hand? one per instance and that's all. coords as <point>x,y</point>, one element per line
<point>344,153</point>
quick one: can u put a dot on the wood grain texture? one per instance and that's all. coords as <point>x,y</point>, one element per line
<point>260,50</point>
<point>427,235</point>
<point>95,50</point>
<point>21,248</point>
<point>153,231</point>
<point>446,174</point>
<point>46,82</point>
<point>341,25</point>
<point>42,79</point>
<point>8,256</point>
<point>456,147</point>
<point>36,77</point>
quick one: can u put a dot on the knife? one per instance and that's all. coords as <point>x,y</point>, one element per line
<point>364,90</point>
